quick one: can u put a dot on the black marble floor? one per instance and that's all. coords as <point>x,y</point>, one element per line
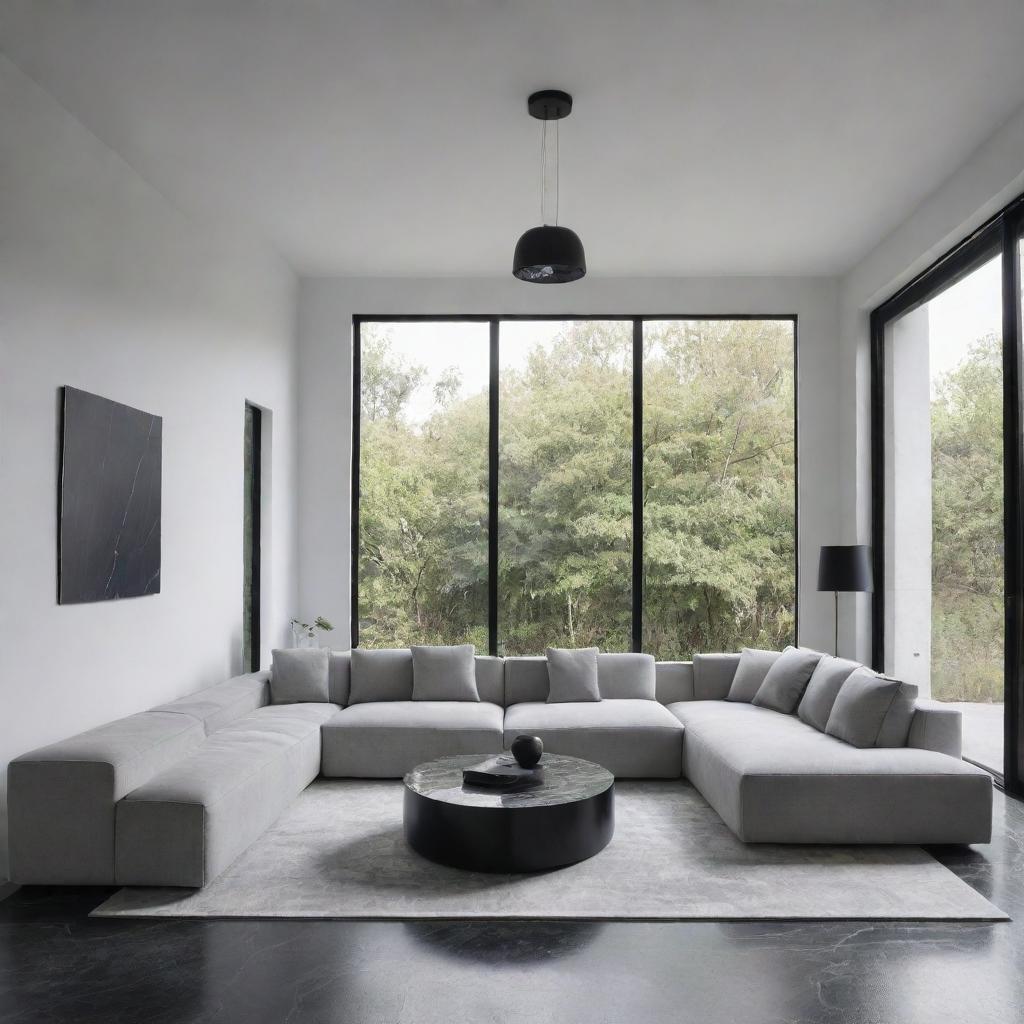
<point>58,965</point>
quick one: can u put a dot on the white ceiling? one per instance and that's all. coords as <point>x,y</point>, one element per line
<point>390,137</point>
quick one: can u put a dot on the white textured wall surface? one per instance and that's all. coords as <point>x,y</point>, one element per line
<point>326,307</point>
<point>107,287</point>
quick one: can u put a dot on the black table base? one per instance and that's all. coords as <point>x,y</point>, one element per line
<point>509,839</point>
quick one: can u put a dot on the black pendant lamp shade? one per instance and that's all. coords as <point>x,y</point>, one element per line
<point>549,254</point>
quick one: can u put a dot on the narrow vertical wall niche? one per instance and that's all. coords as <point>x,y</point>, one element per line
<point>252,538</point>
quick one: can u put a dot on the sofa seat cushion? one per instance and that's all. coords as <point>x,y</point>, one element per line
<point>188,823</point>
<point>773,778</point>
<point>386,739</point>
<point>632,738</point>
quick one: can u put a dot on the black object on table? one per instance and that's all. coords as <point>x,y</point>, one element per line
<point>565,818</point>
<point>501,772</point>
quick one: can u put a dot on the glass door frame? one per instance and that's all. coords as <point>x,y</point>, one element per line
<point>998,237</point>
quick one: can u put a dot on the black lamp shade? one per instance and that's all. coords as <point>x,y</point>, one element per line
<point>845,567</point>
<point>549,255</point>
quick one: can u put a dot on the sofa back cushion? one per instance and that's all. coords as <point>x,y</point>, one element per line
<point>673,681</point>
<point>619,676</point>
<point>339,672</point>
<point>785,682</point>
<point>526,680</point>
<point>444,673</point>
<point>872,710</point>
<point>626,676</point>
<point>299,675</point>
<point>822,690</point>
<point>490,678</point>
<point>385,674</point>
<point>572,675</point>
<point>713,675</point>
<point>750,672</point>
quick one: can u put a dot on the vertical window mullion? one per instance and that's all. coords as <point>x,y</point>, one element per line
<point>636,594</point>
<point>492,496</point>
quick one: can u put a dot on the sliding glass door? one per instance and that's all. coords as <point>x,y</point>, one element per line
<point>947,454</point>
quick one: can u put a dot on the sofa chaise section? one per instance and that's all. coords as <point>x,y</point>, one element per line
<point>386,739</point>
<point>62,798</point>
<point>773,779</point>
<point>188,823</point>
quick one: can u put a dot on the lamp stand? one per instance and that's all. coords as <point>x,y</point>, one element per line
<point>835,600</point>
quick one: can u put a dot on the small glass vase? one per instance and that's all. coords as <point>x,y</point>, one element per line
<point>304,638</point>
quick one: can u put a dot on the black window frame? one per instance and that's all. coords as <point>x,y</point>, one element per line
<point>637,554</point>
<point>1000,236</point>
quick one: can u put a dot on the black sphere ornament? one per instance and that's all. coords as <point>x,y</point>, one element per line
<point>527,750</point>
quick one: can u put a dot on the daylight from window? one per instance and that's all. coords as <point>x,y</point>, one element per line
<point>423,484</point>
<point>718,498</point>
<point>565,472</point>
<point>719,486</point>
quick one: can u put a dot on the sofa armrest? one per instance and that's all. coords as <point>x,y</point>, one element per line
<point>936,727</point>
<point>61,798</point>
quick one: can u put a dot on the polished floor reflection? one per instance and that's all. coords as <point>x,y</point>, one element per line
<point>56,964</point>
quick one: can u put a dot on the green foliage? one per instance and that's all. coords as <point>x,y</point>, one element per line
<point>967,527</point>
<point>718,494</point>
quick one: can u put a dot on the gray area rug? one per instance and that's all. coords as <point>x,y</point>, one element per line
<point>339,852</point>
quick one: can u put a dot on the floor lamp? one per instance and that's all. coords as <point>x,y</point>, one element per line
<point>846,568</point>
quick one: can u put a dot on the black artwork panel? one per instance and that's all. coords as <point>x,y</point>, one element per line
<point>109,540</point>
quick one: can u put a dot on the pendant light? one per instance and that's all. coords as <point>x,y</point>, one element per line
<point>549,254</point>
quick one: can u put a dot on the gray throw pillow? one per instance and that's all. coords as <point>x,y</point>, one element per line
<point>444,673</point>
<point>785,682</point>
<point>380,675</point>
<point>872,710</point>
<point>822,690</point>
<point>299,675</point>
<point>572,675</point>
<point>750,673</point>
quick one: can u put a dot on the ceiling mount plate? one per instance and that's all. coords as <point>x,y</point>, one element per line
<point>549,104</point>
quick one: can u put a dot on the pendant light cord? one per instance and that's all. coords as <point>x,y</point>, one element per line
<point>556,173</point>
<point>543,165</point>
<point>544,169</point>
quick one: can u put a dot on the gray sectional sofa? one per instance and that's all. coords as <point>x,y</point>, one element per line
<point>172,795</point>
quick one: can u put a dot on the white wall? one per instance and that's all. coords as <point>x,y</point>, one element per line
<point>987,180</point>
<point>326,307</point>
<point>104,285</point>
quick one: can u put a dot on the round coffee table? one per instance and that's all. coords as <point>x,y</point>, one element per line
<point>566,818</point>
